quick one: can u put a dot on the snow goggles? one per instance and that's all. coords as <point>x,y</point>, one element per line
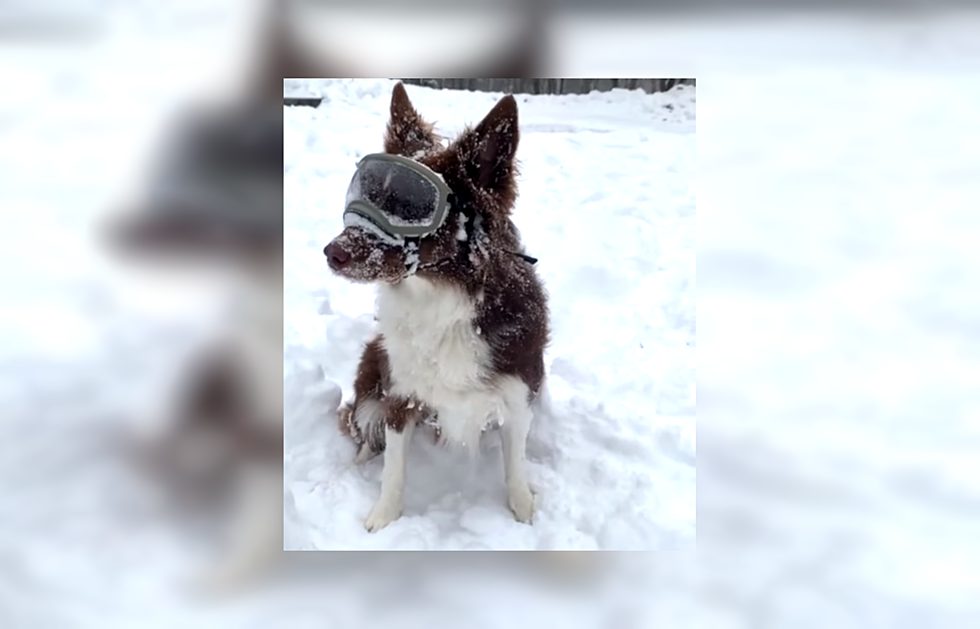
<point>397,194</point>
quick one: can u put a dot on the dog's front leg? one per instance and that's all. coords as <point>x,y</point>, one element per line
<point>401,416</point>
<point>513,436</point>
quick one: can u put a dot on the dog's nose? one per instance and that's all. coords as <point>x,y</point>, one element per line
<point>337,257</point>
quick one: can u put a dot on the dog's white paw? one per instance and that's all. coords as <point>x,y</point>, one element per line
<point>384,513</point>
<point>521,502</point>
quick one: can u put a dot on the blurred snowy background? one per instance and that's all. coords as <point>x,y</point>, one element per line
<point>839,410</point>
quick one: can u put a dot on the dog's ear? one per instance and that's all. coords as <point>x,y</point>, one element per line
<point>488,151</point>
<point>407,132</point>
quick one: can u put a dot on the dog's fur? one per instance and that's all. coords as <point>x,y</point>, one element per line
<point>219,445</point>
<point>462,316</point>
<point>221,434</point>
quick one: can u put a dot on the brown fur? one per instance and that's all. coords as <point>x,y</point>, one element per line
<point>218,399</point>
<point>370,383</point>
<point>407,133</point>
<point>400,411</point>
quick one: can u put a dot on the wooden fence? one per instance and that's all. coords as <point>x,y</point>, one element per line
<point>526,86</point>
<point>550,86</point>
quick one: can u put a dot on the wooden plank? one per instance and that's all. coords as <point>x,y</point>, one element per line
<point>603,85</point>
<point>530,86</point>
<point>573,86</point>
<point>294,101</point>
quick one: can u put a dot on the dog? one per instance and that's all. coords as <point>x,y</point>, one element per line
<point>214,202</point>
<point>463,320</point>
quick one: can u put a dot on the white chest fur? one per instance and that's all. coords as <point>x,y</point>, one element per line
<point>437,356</point>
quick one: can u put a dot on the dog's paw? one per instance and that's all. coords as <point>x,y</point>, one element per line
<point>384,513</point>
<point>521,502</point>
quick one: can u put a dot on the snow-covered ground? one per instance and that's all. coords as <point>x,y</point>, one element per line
<point>607,205</point>
<point>837,300</point>
<point>838,361</point>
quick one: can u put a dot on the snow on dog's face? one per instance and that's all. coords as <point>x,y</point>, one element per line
<point>479,170</point>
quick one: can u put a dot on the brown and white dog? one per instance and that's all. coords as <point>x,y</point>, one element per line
<point>462,315</point>
<point>214,202</point>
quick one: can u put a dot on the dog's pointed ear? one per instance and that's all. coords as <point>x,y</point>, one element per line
<point>490,149</point>
<point>401,105</point>
<point>407,132</point>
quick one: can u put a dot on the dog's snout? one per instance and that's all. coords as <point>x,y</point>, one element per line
<point>337,256</point>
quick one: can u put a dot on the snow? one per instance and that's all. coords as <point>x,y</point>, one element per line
<point>607,205</point>
<point>461,228</point>
<point>353,219</point>
<point>838,358</point>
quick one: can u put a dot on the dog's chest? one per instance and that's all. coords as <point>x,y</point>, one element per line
<point>436,354</point>
<point>430,338</point>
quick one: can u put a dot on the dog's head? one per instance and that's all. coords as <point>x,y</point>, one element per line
<point>213,195</point>
<point>430,210</point>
